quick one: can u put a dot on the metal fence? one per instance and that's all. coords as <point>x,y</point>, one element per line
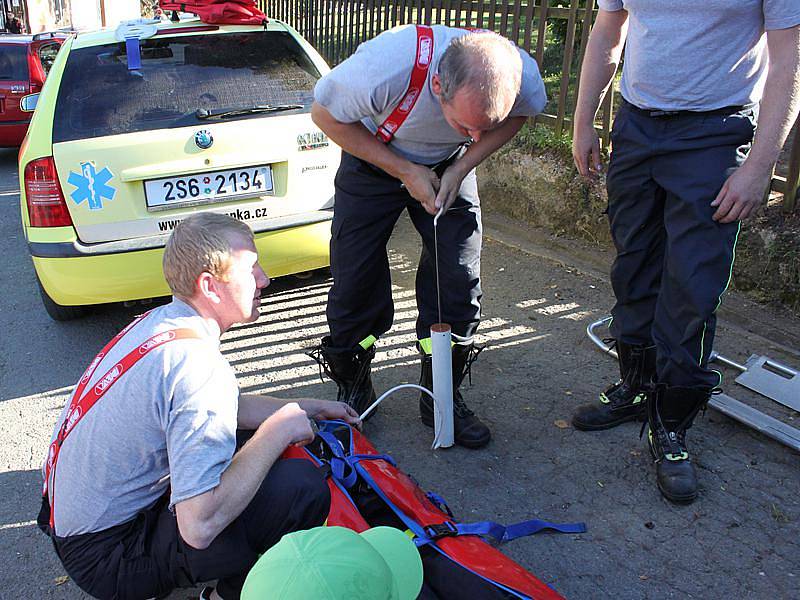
<point>553,32</point>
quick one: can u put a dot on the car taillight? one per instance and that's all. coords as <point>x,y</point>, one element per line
<point>46,204</point>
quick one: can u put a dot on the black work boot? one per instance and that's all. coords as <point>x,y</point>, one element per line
<point>469,431</point>
<point>350,369</point>
<point>625,400</point>
<point>670,412</point>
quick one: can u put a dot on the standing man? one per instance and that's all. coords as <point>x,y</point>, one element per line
<point>415,110</point>
<point>146,487</point>
<point>685,170</point>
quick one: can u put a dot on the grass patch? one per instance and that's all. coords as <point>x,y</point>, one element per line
<point>542,137</point>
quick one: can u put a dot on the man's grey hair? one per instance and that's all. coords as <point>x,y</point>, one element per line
<point>487,64</point>
<point>200,244</point>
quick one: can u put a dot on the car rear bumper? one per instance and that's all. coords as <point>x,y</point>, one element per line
<point>80,278</point>
<point>76,248</point>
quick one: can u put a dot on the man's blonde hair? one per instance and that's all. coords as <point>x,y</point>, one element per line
<point>486,63</point>
<point>201,244</point>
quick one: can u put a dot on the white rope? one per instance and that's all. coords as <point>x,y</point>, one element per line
<point>402,386</point>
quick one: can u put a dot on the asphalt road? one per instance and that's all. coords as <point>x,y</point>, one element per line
<point>741,539</point>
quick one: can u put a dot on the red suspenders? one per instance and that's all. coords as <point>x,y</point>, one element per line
<point>419,75</point>
<point>81,403</point>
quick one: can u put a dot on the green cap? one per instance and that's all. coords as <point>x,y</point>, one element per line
<point>335,563</point>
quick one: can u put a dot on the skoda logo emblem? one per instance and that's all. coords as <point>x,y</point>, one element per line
<point>203,139</point>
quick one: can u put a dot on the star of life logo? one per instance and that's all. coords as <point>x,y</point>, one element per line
<point>156,341</point>
<point>108,379</point>
<point>91,186</point>
<point>425,46</point>
<point>408,101</point>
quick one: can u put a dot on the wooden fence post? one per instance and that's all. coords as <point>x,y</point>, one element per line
<point>566,67</point>
<point>793,176</point>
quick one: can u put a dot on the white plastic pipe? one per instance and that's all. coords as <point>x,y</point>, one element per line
<point>442,359</point>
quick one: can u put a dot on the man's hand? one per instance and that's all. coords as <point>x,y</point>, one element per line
<point>294,424</point>
<point>744,191</point>
<point>586,150</point>
<point>741,194</point>
<point>325,409</point>
<point>448,188</point>
<point>422,184</point>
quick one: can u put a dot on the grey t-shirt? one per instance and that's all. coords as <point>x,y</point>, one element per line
<point>690,55</point>
<point>367,86</point>
<point>169,420</point>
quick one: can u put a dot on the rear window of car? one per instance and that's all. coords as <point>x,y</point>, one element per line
<point>13,62</point>
<point>99,95</point>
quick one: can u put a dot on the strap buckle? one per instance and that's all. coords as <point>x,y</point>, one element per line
<point>440,530</point>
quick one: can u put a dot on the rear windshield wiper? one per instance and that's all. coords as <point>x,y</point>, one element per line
<point>204,114</point>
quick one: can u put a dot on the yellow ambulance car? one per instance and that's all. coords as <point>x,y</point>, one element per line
<point>139,126</point>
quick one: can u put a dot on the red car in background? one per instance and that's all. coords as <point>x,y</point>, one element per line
<point>24,63</point>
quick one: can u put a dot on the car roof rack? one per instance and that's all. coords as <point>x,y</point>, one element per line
<point>44,35</point>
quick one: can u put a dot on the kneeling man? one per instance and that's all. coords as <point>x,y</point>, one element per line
<point>146,488</point>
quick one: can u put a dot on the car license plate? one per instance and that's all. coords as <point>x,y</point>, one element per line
<point>205,188</point>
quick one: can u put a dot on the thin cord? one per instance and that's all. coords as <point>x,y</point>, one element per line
<point>436,259</point>
<point>402,386</point>
<point>438,426</point>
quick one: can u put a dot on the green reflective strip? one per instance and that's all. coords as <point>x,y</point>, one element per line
<point>637,400</point>
<point>676,457</point>
<point>672,457</point>
<point>426,345</point>
<point>719,301</point>
<point>367,342</point>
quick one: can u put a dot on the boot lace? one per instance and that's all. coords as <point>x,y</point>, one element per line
<point>316,354</point>
<point>671,443</point>
<point>630,389</point>
<point>474,351</point>
<point>460,407</point>
<point>668,444</point>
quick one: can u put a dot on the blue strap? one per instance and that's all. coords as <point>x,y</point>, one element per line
<point>333,443</point>
<point>499,532</point>
<point>134,54</point>
<point>340,469</point>
<point>343,467</point>
<point>352,460</point>
<point>330,425</point>
<point>440,503</point>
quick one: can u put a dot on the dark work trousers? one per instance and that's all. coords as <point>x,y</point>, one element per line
<point>368,203</point>
<point>673,261</point>
<point>147,557</point>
